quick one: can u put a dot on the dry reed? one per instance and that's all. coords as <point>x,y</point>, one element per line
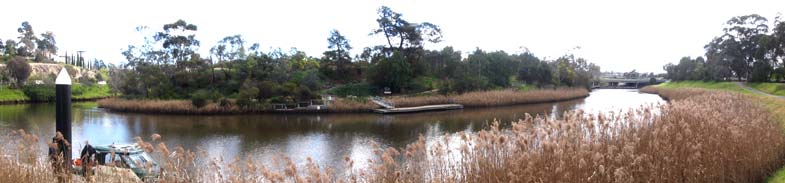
<point>471,99</point>
<point>707,137</point>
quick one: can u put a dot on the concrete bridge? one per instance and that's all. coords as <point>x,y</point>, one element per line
<point>624,83</point>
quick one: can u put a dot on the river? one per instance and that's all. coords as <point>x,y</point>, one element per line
<point>326,138</point>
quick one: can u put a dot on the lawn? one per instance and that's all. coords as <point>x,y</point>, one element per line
<point>12,95</point>
<point>770,88</point>
<point>728,86</point>
<point>90,92</point>
<point>78,91</point>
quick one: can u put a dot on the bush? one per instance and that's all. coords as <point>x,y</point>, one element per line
<point>77,90</point>
<point>199,98</point>
<point>356,89</point>
<point>465,83</point>
<point>20,70</point>
<point>422,84</point>
<point>41,93</point>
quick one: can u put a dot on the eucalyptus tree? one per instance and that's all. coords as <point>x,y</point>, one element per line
<point>27,39</point>
<point>230,48</point>
<point>47,46</point>
<point>178,40</point>
<point>746,37</point>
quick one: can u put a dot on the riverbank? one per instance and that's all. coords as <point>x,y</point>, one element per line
<point>773,105</point>
<point>354,105</point>
<point>45,93</point>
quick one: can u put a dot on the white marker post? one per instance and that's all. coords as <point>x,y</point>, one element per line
<point>63,109</point>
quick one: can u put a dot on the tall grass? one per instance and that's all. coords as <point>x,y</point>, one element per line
<point>471,99</point>
<point>707,137</point>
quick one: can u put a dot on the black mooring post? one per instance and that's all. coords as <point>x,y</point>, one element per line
<point>63,109</point>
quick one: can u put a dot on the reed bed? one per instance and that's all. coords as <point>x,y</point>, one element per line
<point>471,99</point>
<point>707,137</point>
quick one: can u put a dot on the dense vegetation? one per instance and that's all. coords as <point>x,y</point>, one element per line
<point>748,50</point>
<point>167,66</point>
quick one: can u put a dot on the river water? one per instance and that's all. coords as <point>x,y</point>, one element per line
<point>326,138</point>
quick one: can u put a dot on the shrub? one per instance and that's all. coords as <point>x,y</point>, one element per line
<point>78,89</point>
<point>423,84</point>
<point>41,93</point>
<point>199,98</point>
<point>19,69</point>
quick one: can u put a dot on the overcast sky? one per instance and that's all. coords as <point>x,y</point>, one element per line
<point>617,35</point>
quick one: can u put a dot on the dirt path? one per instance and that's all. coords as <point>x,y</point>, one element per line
<point>753,90</point>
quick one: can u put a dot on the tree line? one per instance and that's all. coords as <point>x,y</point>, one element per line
<point>167,66</point>
<point>748,50</point>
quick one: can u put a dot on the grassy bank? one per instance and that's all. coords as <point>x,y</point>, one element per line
<point>724,86</point>
<point>90,92</point>
<point>770,88</point>
<point>775,107</point>
<point>709,137</point>
<point>8,95</point>
<point>46,93</point>
<point>472,99</point>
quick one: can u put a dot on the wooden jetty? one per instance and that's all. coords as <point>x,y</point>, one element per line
<point>419,108</point>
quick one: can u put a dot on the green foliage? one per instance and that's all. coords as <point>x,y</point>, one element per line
<point>9,94</point>
<point>393,72</point>
<point>40,93</point>
<point>200,97</point>
<point>167,66</point>
<point>770,88</point>
<point>534,71</point>
<point>746,51</point>
<point>423,83</point>
<point>92,91</point>
<point>728,86</point>
<point>355,89</point>
<point>464,83</point>
<point>526,87</point>
<point>761,72</point>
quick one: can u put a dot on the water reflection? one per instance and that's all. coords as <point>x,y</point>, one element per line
<point>326,138</point>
